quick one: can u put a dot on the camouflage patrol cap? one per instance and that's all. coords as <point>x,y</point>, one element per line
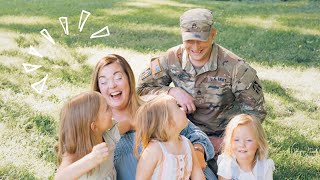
<point>196,24</point>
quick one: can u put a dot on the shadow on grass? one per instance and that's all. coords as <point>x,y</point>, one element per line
<point>291,140</point>
<point>294,104</point>
<point>289,146</point>
<point>289,152</point>
<point>13,172</point>
<point>265,46</point>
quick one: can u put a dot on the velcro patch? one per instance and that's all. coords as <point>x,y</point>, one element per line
<point>155,66</point>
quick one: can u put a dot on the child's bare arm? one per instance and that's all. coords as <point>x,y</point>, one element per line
<point>148,161</point>
<point>69,169</point>
<point>197,172</point>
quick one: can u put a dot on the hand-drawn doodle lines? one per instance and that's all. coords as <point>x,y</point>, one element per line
<point>39,86</point>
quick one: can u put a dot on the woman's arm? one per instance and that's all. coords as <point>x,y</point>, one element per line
<point>197,172</point>
<point>69,169</point>
<point>148,161</point>
<point>196,136</point>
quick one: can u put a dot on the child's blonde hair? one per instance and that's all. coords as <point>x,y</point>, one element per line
<point>245,119</point>
<point>153,120</point>
<point>75,133</point>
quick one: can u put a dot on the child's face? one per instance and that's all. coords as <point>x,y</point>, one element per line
<point>105,117</point>
<point>179,116</point>
<point>244,143</point>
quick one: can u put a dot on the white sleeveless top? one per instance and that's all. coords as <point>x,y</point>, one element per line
<point>106,170</point>
<point>174,166</point>
<point>229,169</point>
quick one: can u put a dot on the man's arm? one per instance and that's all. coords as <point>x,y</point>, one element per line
<point>248,91</point>
<point>154,79</point>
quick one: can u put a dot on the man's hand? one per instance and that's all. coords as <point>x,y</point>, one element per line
<point>200,155</point>
<point>184,99</point>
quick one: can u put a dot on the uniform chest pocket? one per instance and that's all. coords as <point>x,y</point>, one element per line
<point>218,93</point>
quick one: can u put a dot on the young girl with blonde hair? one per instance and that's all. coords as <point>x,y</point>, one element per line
<point>245,151</point>
<point>87,137</point>
<point>166,154</point>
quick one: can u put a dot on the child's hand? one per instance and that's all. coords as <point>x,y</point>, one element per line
<point>99,153</point>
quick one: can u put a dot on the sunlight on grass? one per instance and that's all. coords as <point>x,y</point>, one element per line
<point>138,61</point>
<point>22,150</point>
<point>42,103</point>
<point>301,81</point>
<point>55,52</point>
<point>7,40</point>
<point>150,27</point>
<point>118,12</point>
<point>153,3</point>
<point>2,126</point>
<point>309,129</point>
<point>27,20</point>
<point>276,104</point>
<point>270,23</point>
<point>11,61</point>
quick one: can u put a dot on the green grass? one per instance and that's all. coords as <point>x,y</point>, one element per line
<point>280,39</point>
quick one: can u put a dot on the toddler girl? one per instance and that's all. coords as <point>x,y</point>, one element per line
<point>245,150</point>
<point>166,154</point>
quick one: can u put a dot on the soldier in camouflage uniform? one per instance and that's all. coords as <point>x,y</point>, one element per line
<point>211,83</point>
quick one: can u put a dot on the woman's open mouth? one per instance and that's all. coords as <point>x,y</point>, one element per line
<point>116,95</point>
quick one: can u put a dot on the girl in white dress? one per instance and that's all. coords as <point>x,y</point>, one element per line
<point>166,154</point>
<point>245,151</point>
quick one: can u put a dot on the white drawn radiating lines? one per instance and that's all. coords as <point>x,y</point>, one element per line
<point>44,32</point>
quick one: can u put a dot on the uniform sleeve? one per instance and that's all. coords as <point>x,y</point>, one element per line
<point>224,169</point>
<point>269,169</point>
<point>196,136</point>
<point>155,78</point>
<point>248,91</point>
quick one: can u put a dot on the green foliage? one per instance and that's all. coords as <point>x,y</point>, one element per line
<point>11,172</point>
<point>81,76</point>
<point>23,42</point>
<point>44,124</point>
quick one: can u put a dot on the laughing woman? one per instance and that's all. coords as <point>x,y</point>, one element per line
<point>114,79</point>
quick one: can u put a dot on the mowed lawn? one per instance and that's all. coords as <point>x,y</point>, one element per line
<point>280,39</point>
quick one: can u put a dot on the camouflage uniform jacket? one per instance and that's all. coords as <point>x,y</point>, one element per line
<point>225,86</point>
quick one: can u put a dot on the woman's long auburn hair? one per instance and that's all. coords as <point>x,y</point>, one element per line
<point>245,119</point>
<point>153,121</point>
<point>134,99</point>
<point>75,134</point>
